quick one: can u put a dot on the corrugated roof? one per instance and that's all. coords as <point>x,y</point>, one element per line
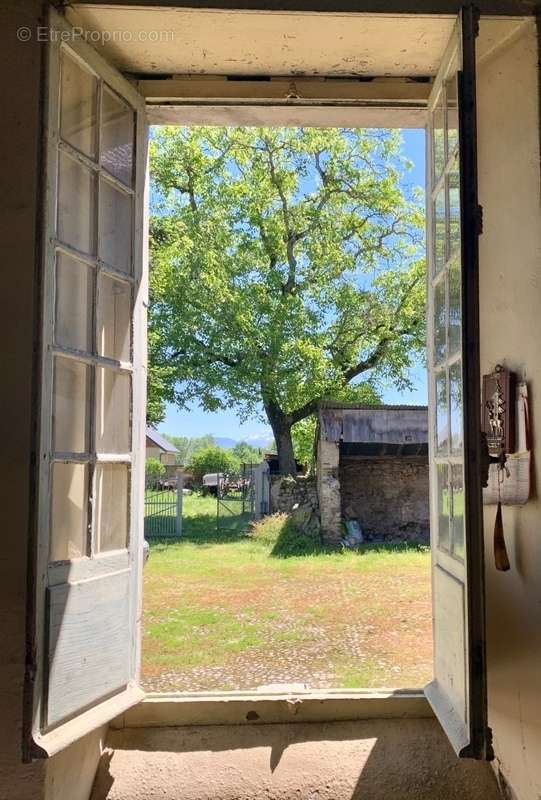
<point>160,442</point>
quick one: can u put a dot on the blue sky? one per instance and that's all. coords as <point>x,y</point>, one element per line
<point>196,422</point>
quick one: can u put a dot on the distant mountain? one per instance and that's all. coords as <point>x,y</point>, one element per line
<point>254,441</point>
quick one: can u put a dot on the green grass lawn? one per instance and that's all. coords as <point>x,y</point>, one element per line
<point>225,611</point>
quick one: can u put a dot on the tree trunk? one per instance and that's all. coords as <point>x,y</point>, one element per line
<point>284,444</point>
<point>281,428</point>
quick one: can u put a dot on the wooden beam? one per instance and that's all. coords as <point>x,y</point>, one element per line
<point>510,8</point>
<point>287,91</point>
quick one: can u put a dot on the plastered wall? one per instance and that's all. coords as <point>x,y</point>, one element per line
<point>509,183</point>
<point>19,146</point>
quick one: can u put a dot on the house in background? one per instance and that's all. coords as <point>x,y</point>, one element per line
<point>160,448</point>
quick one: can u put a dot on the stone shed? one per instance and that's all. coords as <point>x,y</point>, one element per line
<point>372,466</point>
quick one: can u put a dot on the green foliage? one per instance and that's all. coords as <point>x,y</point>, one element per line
<point>187,446</point>
<point>212,459</point>
<point>154,469</point>
<point>286,267</point>
<point>246,454</point>
<point>304,439</point>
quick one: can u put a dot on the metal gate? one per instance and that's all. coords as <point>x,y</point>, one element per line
<point>163,507</point>
<point>241,498</point>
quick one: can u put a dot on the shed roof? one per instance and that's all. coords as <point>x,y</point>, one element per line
<point>159,441</point>
<point>385,424</point>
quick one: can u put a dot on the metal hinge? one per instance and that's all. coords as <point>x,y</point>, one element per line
<point>479,220</point>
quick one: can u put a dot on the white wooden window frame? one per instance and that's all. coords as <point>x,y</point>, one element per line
<point>44,741</point>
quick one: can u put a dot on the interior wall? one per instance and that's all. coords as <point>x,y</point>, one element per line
<point>510,274</point>
<point>20,138</point>
<point>70,774</point>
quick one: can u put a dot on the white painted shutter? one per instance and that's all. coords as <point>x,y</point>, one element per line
<point>458,691</point>
<point>86,641</point>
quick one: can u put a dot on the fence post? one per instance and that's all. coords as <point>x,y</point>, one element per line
<point>180,496</point>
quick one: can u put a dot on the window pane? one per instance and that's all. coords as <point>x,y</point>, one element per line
<point>115,227</point>
<point>73,312</point>
<point>114,318</point>
<point>71,406</point>
<point>457,522</point>
<point>455,392</point>
<point>117,137</point>
<point>68,511</point>
<point>111,507</point>
<point>112,411</point>
<point>441,413</point>
<point>76,187</point>
<point>453,188</point>
<point>440,315</point>
<point>443,507</point>
<point>438,141</point>
<point>455,307</point>
<point>439,230</point>
<point>78,106</point>
<point>452,114</point>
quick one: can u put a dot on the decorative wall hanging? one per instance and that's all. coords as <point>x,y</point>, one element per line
<point>506,425</point>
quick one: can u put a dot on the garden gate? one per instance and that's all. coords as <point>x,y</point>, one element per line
<point>242,497</point>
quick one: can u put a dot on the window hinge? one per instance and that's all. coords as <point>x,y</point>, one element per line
<point>479,220</point>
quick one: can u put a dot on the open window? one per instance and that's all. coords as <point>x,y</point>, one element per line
<point>85,638</point>
<point>88,571</point>
<point>457,693</point>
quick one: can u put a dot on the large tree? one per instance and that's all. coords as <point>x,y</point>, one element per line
<point>286,267</point>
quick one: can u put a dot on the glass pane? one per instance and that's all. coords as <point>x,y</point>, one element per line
<point>451,96</point>
<point>76,186</point>
<point>438,141</point>
<point>71,406</point>
<point>68,511</point>
<point>455,392</point>
<point>453,188</point>
<point>441,413</point>
<point>111,507</point>
<point>457,521</point>
<point>115,227</point>
<point>440,319</point>
<point>443,507</point>
<point>113,411</point>
<point>117,136</point>
<point>114,318</point>
<point>439,230</point>
<point>455,307</point>
<point>78,106</point>
<point>73,312</point>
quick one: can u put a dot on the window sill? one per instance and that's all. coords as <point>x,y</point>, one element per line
<point>242,708</point>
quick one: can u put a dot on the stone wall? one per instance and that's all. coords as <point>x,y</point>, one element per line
<point>288,492</point>
<point>328,490</point>
<point>388,496</point>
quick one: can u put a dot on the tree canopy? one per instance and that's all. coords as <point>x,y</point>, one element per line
<point>286,267</point>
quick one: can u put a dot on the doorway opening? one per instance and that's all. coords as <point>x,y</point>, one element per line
<point>288,296</point>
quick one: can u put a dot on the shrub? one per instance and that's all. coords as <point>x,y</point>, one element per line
<point>154,469</point>
<point>285,539</point>
<point>212,459</point>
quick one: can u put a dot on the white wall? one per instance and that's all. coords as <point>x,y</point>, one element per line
<point>509,182</point>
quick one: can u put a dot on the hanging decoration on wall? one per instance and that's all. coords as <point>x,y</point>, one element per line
<point>505,416</point>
